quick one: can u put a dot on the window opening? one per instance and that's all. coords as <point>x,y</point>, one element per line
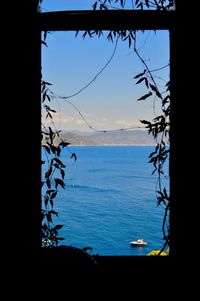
<point>97,87</point>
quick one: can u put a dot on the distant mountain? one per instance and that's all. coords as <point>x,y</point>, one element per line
<point>134,137</point>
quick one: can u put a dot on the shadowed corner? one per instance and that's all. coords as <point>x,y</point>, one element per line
<point>70,258</point>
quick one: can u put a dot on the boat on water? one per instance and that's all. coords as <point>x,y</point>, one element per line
<point>138,243</point>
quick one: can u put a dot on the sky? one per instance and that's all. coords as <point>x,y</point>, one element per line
<point>69,63</point>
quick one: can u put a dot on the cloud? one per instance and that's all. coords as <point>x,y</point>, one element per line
<point>59,117</point>
<point>127,123</point>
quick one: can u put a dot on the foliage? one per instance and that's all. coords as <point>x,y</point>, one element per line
<point>137,4</point>
<point>54,175</point>
<point>53,145</point>
<point>156,253</point>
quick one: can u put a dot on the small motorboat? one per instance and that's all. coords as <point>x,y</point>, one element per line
<point>138,243</point>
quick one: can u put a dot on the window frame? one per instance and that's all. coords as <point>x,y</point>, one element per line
<point>96,20</point>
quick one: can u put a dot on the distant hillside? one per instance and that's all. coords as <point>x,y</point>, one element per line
<point>134,137</point>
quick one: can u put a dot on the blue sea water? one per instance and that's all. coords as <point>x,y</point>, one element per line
<point>110,200</point>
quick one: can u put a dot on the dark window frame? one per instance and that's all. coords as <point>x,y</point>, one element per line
<point>93,20</point>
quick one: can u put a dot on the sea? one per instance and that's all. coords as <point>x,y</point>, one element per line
<point>109,200</point>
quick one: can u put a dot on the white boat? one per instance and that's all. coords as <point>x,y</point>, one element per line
<point>138,243</point>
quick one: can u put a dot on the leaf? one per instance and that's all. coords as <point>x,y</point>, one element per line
<point>153,87</point>
<point>53,194</point>
<point>140,74</point>
<point>153,153</point>
<point>57,227</point>
<point>48,173</point>
<point>44,43</point>
<point>59,162</point>
<point>58,151</point>
<point>152,160</point>
<point>59,182</point>
<point>147,3</point>
<point>146,83</point>
<point>48,183</point>
<point>110,37</point>
<point>140,80</point>
<point>145,96</point>
<point>63,143</point>
<point>45,35</point>
<point>165,193</point>
<point>49,115</point>
<point>62,173</point>
<point>94,6</point>
<point>53,212</point>
<point>74,156</point>
<point>165,100</point>
<point>145,122</point>
<point>47,83</point>
<point>52,147</point>
<point>43,96</point>
<point>158,94</point>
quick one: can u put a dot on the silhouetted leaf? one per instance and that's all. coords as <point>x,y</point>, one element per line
<point>165,193</point>
<point>74,156</point>
<point>59,162</point>
<point>110,37</point>
<point>146,83</point>
<point>53,194</point>
<point>48,173</point>
<point>152,160</point>
<point>48,115</point>
<point>45,35</point>
<point>62,173</point>
<point>145,122</point>
<point>140,80</point>
<point>56,165</point>
<point>94,5</point>
<point>147,3</point>
<point>59,182</point>
<point>43,96</point>
<point>145,96</point>
<point>47,83</point>
<point>50,191</point>
<point>46,199</point>
<point>153,87</point>
<point>49,218</point>
<point>52,147</point>
<point>44,43</point>
<point>48,97</point>
<point>57,227</point>
<point>165,100</point>
<point>158,94</point>
<point>58,151</point>
<point>63,143</point>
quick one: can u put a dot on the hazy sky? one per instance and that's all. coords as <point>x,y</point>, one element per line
<point>110,102</point>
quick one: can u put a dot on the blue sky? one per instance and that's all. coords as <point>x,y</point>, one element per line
<point>110,102</point>
<point>72,4</point>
